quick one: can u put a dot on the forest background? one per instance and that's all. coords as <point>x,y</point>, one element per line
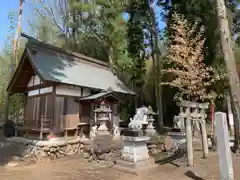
<point>133,36</point>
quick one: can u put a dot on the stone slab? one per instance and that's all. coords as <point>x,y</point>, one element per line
<point>135,168</point>
<point>176,130</point>
<point>137,139</point>
<point>134,133</point>
<point>177,133</point>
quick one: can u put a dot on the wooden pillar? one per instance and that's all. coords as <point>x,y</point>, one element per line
<point>65,133</point>
<point>25,108</point>
<point>53,123</point>
<point>41,127</point>
<point>25,113</point>
<point>76,132</point>
<point>6,110</point>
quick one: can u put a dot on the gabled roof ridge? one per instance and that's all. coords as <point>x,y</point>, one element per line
<point>32,40</point>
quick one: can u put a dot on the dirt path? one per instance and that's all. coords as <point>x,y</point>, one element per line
<point>75,167</point>
<point>69,168</point>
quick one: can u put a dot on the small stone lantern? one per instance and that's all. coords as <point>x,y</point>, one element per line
<point>150,129</point>
<point>102,117</point>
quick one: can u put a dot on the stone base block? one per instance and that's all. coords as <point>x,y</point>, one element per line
<point>135,155</point>
<point>135,168</point>
<point>102,133</point>
<point>178,139</point>
<point>150,132</point>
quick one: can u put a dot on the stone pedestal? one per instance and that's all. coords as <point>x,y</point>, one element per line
<point>102,129</point>
<point>150,129</point>
<point>135,155</point>
<point>102,117</point>
<point>178,137</point>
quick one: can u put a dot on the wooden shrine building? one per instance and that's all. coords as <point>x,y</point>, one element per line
<point>62,88</point>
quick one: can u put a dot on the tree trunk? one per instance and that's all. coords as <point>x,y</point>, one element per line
<point>233,78</point>
<point>156,64</point>
<point>13,58</point>
<point>15,44</point>
<point>154,74</point>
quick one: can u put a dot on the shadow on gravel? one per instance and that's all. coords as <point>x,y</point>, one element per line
<point>192,175</point>
<point>169,159</point>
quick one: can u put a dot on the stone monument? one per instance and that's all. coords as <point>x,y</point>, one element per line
<point>178,134</point>
<point>224,152</point>
<point>102,117</point>
<point>135,152</point>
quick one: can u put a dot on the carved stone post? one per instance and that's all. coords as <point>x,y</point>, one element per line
<point>204,134</point>
<point>204,139</point>
<point>189,137</point>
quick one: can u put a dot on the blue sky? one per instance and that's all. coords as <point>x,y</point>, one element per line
<point>13,6</point>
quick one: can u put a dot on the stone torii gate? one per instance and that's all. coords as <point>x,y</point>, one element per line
<point>192,115</point>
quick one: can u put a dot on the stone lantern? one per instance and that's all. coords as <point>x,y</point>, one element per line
<point>150,129</point>
<point>102,117</point>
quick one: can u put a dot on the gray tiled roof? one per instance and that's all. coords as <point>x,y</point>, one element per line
<point>71,69</point>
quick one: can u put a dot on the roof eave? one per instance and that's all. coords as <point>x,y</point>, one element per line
<point>70,84</point>
<point>26,54</point>
<point>32,40</point>
<point>15,72</point>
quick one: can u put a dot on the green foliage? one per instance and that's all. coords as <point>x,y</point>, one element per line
<point>136,47</point>
<point>4,73</point>
<point>98,29</point>
<point>16,101</point>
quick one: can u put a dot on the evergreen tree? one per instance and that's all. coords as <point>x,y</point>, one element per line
<point>136,24</point>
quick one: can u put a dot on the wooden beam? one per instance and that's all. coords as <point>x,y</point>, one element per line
<point>20,86</point>
<point>43,85</point>
<point>17,71</point>
<point>25,107</point>
<point>26,71</point>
